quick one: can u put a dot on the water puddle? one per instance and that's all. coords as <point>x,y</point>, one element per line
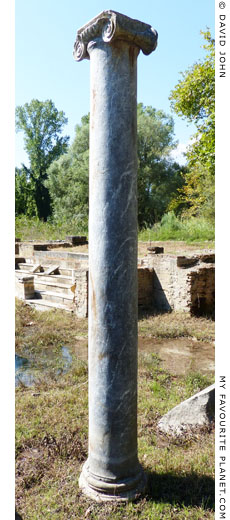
<point>178,356</point>
<point>45,363</point>
<point>181,355</point>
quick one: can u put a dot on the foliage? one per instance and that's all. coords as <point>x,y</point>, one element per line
<point>158,177</point>
<point>24,193</point>
<point>42,125</point>
<point>68,178</point>
<point>172,227</point>
<point>31,228</point>
<point>194,99</point>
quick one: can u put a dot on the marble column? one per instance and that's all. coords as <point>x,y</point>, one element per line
<point>112,42</point>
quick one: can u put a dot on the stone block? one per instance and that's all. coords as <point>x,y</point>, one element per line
<point>77,240</point>
<point>155,250</point>
<point>184,261</point>
<point>81,293</point>
<point>51,270</point>
<point>145,286</point>
<point>198,410</point>
<point>24,286</point>
<point>26,250</point>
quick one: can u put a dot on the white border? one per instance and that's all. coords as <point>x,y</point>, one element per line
<point>222,250</point>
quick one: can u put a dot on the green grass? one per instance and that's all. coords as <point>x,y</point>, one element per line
<point>31,228</point>
<point>52,430</point>
<point>171,227</point>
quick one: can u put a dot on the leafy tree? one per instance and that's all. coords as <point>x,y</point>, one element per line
<point>24,195</point>
<point>158,176</point>
<point>194,99</point>
<point>68,178</point>
<point>42,125</point>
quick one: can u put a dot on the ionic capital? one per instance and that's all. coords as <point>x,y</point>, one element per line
<point>109,26</point>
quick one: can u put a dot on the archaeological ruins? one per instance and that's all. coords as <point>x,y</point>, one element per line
<point>48,278</point>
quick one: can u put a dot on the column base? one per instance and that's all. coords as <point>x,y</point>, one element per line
<point>101,489</point>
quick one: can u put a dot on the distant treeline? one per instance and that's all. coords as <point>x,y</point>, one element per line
<point>55,185</point>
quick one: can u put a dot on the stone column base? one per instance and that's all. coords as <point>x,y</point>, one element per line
<point>108,490</point>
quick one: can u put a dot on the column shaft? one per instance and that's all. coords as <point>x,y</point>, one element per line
<point>113,269</point>
<point>112,42</point>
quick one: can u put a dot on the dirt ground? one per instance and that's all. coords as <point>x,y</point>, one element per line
<point>180,356</point>
<point>170,247</point>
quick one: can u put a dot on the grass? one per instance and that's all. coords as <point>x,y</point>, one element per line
<point>177,325</point>
<point>31,228</point>
<point>52,428</point>
<point>194,229</point>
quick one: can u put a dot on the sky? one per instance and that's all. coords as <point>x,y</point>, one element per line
<point>45,31</point>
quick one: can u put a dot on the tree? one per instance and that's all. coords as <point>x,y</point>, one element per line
<point>194,99</point>
<point>68,178</point>
<point>158,176</point>
<point>24,195</point>
<point>42,125</point>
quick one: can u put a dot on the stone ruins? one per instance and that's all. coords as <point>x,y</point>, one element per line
<point>165,282</point>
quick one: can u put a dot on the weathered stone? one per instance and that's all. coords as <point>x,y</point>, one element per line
<point>198,410</point>
<point>110,26</point>
<point>156,250</point>
<point>145,287</point>
<point>19,260</point>
<point>112,42</point>
<point>81,293</point>
<point>77,240</point>
<point>183,283</point>
<point>161,282</point>
<point>24,287</point>
<point>36,268</point>
<point>51,270</point>
<point>184,261</point>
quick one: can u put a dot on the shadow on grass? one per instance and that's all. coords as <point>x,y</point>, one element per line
<point>188,489</point>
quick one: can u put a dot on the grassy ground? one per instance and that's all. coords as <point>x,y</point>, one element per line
<point>192,230</point>
<point>52,427</point>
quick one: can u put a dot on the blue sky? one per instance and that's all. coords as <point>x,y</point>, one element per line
<point>45,68</point>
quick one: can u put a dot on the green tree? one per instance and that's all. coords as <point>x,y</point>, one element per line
<point>194,99</point>
<point>24,194</point>
<point>158,177</point>
<point>68,178</point>
<point>42,125</point>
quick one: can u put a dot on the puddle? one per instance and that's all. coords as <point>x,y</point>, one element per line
<point>181,355</point>
<point>40,364</point>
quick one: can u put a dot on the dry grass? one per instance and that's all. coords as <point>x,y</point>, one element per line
<point>176,325</point>
<point>52,431</point>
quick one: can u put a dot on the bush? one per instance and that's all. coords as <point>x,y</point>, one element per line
<point>34,229</point>
<point>172,227</point>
